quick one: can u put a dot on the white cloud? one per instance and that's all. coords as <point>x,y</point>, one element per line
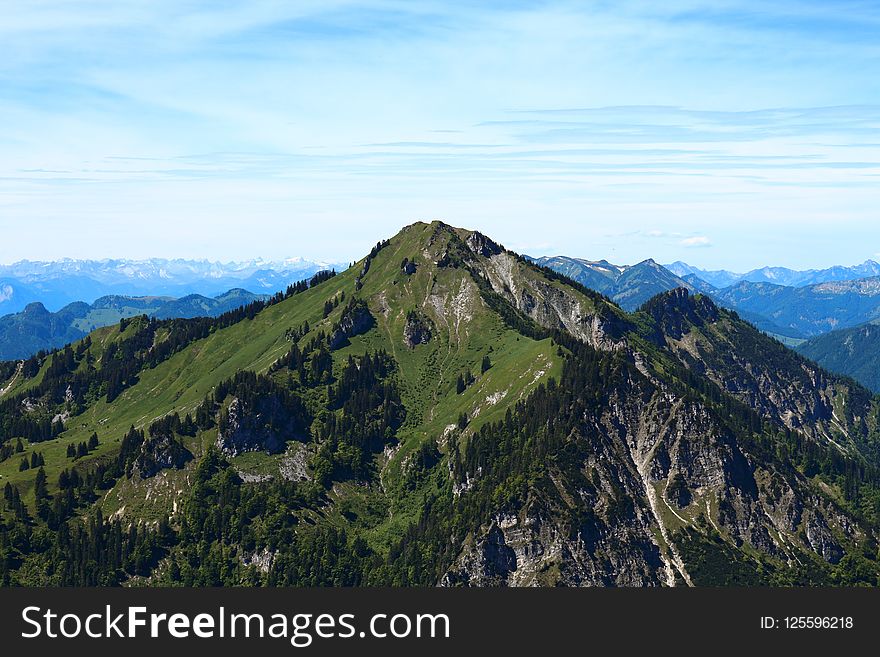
<point>696,242</point>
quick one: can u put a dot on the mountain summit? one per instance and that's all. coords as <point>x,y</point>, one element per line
<point>444,412</point>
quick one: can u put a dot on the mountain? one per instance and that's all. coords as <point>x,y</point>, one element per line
<point>444,412</point>
<point>854,352</point>
<point>717,278</point>
<point>35,328</point>
<point>803,312</point>
<point>779,275</point>
<point>628,286</point>
<point>59,283</point>
<point>631,286</point>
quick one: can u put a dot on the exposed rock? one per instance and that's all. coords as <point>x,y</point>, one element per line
<point>408,267</point>
<point>261,560</point>
<point>294,464</point>
<point>61,417</point>
<point>253,477</point>
<point>482,245</point>
<point>491,563</point>
<point>651,462</point>
<point>553,306</point>
<point>160,453</point>
<point>356,319</point>
<point>29,405</point>
<point>417,329</point>
<point>266,428</point>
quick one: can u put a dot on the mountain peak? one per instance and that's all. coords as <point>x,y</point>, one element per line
<point>677,309</point>
<point>35,308</point>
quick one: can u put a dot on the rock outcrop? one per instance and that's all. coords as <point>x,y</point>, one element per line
<point>417,329</point>
<point>159,453</point>
<point>356,319</point>
<point>265,427</point>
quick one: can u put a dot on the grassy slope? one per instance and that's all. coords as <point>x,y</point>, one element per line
<point>427,373</point>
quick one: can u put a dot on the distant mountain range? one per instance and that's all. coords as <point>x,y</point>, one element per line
<point>35,328</point>
<point>829,315</point>
<point>56,284</point>
<point>778,275</point>
<point>804,312</point>
<point>792,313</point>
<point>628,286</point>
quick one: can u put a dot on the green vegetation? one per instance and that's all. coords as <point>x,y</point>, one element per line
<point>852,352</point>
<point>372,427</point>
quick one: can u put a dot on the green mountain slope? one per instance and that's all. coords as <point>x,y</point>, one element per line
<point>853,352</point>
<point>443,412</point>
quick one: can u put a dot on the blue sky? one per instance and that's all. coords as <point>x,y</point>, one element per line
<point>727,134</point>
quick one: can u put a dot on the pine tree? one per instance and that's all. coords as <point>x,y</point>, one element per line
<point>71,451</point>
<point>93,441</point>
<point>24,465</point>
<point>41,492</point>
<point>486,364</point>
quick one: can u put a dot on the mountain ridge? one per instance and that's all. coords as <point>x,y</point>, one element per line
<point>779,275</point>
<point>446,412</point>
<point>627,285</point>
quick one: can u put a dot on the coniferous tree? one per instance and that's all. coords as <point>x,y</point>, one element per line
<point>41,492</point>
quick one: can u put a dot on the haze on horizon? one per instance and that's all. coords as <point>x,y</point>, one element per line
<point>730,134</point>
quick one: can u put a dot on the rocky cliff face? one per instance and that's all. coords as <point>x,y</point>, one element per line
<point>554,306</point>
<point>264,427</point>
<point>417,329</point>
<point>160,453</point>
<point>356,319</point>
<point>652,465</point>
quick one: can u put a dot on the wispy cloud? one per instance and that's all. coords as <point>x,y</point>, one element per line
<point>699,241</point>
<point>525,118</point>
